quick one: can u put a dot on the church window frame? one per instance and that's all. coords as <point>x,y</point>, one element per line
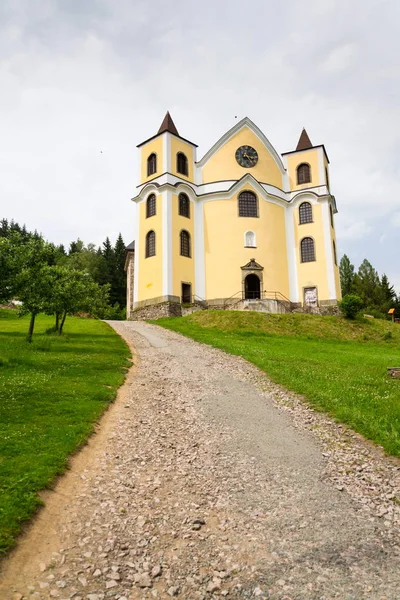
<point>150,244</point>
<point>250,239</point>
<point>334,252</point>
<point>307,250</point>
<point>182,164</point>
<point>151,164</point>
<point>305,213</point>
<point>248,204</point>
<point>331,214</point>
<point>185,243</point>
<point>184,205</point>
<point>151,206</point>
<point>303,173</point>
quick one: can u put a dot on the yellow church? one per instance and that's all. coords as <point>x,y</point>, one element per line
<point>243,227</point>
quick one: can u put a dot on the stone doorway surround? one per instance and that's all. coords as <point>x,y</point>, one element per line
<point>252,268</point>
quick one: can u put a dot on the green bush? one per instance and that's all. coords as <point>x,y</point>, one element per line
<point>112,313</point>
<point>350,306</point>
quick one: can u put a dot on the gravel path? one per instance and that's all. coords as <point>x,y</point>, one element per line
<point>206,480</point>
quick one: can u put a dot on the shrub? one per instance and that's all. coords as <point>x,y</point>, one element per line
<point>350,306</point>
<point>113,313</point>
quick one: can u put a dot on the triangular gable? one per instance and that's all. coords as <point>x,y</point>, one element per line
<point>252,266</point>
<point>246,122</point>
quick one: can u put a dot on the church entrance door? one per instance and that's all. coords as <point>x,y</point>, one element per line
<point>252,287</point>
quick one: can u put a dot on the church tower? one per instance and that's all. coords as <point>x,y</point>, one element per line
<point>313,207</point>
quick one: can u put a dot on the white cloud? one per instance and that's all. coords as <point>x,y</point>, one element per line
<point>356,231</point>
<point>340,58</point>
<point>395,219</point>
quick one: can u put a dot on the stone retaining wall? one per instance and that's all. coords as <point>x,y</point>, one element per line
<point>156,311</point>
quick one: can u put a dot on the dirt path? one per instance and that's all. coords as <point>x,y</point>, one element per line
<point>205,480</point>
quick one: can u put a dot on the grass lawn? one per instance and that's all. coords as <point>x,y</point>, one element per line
<point>51,393</point>
<point>338,365</point>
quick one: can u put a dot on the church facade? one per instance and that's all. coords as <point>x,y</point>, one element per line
<point>242,222</point>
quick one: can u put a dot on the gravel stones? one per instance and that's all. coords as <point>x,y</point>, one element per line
<point>214,482</point>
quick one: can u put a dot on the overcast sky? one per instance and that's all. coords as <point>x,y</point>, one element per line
<point>83,82</point>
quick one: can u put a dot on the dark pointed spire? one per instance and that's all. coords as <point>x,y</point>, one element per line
<point>304,141</point>
<point>168,125</point>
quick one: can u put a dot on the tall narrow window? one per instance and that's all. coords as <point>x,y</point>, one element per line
<point>307,250</point>
<point>334,252</point>
<point>150,244</point>
<point>185,243</point>
<point>184,206</point>
<point>327,178</point>
<point>303,173</point>
<point>331,211</point>
<point>151,164</point>
<point>248,205</point>
<point>305,213</point>
<point>250,239</point>
<point>151,206</point>
<point>182,164</point>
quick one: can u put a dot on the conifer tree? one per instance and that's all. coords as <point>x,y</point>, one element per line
<point>367,285</point>
<point>346,270</point>
<point>118,284</point>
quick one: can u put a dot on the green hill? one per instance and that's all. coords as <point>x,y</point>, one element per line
<point>299,325</point>
<point>339,366</point>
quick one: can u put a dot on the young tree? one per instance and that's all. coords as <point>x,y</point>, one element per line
<point>34,286</point>
<point>346,270</point>
<point>72,291</point>
<point>23,275</point>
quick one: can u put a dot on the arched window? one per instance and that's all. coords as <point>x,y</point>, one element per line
<point>182,164</point>
<point>248,205</point>
<point>185,243</point>
<point>184,206</point>
<point>150,244</point>
<point>305,213</point>
<point>334,252</point>
<point>303,173</point>
<point>250,239</point>
<point>331,211</point>
<point>151,206</point>
<point>307,250</point>
<point>151,164</point>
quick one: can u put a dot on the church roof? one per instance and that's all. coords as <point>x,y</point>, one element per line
<point>304,142</point>
<point>168,125</point>
<point>130,246</point>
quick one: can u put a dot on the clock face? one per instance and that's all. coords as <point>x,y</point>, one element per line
<point>246,156</point>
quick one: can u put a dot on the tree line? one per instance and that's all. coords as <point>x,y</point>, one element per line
<point>376,294</point>
<point>46,277</point>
